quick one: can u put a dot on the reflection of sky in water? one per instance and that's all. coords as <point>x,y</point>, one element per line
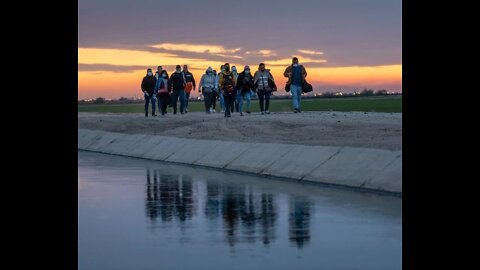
<point>137,214</point>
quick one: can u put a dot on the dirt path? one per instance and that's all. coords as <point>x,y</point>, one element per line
<point>357,129</point>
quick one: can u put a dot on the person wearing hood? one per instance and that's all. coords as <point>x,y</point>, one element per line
<point>190,85</point>
<point>148,87</point>
<point>226,83</point>
<point>296,75</point>
<point>244,85</point>
<point>207,87</point>
<point>263,81</point>
<point>161,89</point>
<point>176,85</point>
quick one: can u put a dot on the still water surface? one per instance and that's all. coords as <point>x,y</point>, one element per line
<point>138,214</point>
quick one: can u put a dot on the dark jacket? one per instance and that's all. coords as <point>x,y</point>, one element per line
<point>176,82</point>
<point>148,84</point>
<point>189,78</point>
<point>245,83</point>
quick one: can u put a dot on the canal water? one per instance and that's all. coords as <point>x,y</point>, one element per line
<point>140,214</point>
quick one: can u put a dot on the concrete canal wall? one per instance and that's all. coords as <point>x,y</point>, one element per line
<point>364,168</point>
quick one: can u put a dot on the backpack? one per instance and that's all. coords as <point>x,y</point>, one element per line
<point>188,85</point>
<point>227,85</point>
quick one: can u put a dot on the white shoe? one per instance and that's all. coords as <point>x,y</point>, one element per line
<point>214,111</point>
<point>223,111</point>
<point>210,110</point>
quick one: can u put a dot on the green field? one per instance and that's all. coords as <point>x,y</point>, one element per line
<point>363,104</point>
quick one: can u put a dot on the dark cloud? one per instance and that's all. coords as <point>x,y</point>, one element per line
<point>349,32</point>
<point>196,55</point>
<point>125,69</point>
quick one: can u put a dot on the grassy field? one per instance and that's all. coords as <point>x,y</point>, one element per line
<point>363,104</point>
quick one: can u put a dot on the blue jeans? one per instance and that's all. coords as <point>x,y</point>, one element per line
<point>241,97</point>
<point>148,100</point>
<point>222,102</point>
<point>187,97</point>
<point>178,95</point>
<point>296,95</point>
<point>237,100</point>
<point>264,98</point>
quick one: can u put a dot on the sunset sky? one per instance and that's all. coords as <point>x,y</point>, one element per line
<point>344,44</point>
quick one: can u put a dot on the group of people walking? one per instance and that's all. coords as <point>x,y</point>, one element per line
<point>230,87</point>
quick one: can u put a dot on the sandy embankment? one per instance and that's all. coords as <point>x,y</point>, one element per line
<point>355,129</point>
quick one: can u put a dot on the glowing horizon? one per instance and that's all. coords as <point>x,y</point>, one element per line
<point>344,45</point>
<point>115,84</point>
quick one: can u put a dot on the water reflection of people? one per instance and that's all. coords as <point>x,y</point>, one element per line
<point>152,197</point>
<point>230,212</point>
<point>169,196</point>
<point>299,221</point>
<point>247,216</point>
<point>212,207</point>
<point>239,211</point>
<point>267,218</point>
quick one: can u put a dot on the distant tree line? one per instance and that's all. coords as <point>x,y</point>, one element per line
<point>277,95</point>
<point>101,100</point>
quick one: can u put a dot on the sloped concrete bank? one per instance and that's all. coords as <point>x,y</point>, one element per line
<point>364,168</point>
